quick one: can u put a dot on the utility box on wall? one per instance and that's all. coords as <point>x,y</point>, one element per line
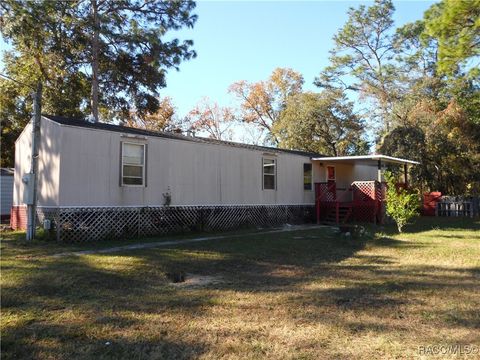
<point>27,180</point>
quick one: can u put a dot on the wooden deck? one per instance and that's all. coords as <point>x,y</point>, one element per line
<point>363,201</point>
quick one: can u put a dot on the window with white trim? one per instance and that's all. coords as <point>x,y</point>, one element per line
<point>307,176</point>
<point>133,164</point>
<point>269,174</point>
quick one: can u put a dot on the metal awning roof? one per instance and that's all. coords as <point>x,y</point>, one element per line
<point>366,158</point>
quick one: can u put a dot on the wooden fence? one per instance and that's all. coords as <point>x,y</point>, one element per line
<point>468,206</point>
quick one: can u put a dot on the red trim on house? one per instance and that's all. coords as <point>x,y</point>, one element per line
<point>18,217</point>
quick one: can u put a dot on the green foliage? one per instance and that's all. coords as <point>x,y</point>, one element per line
<point>424,114</point>
<point>456,25</point>
<point>408,142</point>
<point>362,59</point>
<point>64,96</point>
<point>444,139</point>
<point>52,43</point>
<point>133,56</point>
<point>402,205</point>
<point>323,123</point>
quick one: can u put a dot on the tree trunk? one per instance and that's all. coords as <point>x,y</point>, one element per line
<point>95,50</point>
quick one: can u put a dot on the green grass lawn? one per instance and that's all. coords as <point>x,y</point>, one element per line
<point>310,294</point>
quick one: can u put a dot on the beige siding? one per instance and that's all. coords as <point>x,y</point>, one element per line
<point>195,174</point>
<point>364,172</point>
<point>346,173</point>
<point>343,173</point>
<point>22,163</point>
<point>81,167</point>
<point>48,163</point>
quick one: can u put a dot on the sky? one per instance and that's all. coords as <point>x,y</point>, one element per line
<point>247,40</point>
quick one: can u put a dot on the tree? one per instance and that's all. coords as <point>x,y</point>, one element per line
<point>428,103</point>
<point>209,117</point>
<point>456,25</point>
<point>445,142</point>
<point>408,142</point>
<point>362,59</point>
<point>52,43</point>
<point>250,134</point>
<point>162,120</point>
<point>262,102</point>
<point>416,52</point>
<point>118,44</point>
<point>416,57</point>
<point>322,123</point>
<point>63,96</point>
<point>454,142</point>
<point>445,109</point>
<point>402,205</point>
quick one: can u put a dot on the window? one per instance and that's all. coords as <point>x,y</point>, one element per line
<point>269,174</point>
<point>330,173</point>
<point>307,176</point>
<point>133,164</point>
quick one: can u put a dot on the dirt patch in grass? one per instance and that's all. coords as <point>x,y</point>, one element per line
<point>195,280</point>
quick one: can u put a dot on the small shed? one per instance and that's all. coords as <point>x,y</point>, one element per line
<point>6,192</point>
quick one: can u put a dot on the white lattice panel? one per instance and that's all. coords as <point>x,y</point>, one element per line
<point>98,223</point>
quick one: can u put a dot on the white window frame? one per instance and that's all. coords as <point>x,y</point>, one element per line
<point>311,177</point>
<point>143,165</point>
<point>326,173</point>
<point>274,173</point>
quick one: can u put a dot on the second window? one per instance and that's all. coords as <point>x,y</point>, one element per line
<point>269,174</point>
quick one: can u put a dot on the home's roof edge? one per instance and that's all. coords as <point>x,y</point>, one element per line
<point>386,158</point>
<point>78,122</point>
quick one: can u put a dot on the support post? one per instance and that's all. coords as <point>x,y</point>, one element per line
<point>379,171</point>
<point>405,174</point>
<point>337,214</point>
<point>32,206</point>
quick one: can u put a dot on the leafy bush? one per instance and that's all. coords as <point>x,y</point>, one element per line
<point>402,205</point>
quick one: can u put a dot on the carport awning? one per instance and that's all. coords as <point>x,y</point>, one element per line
<point>367,158</point>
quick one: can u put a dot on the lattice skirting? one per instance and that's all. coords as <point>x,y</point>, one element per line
<point>99,223</point>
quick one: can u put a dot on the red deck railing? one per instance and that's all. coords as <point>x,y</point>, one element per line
<point>361,201</point>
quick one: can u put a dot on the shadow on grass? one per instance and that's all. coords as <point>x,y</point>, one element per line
<point>70,307</point>
<point>399,292</point>
<point>75,341</point>
<point>108,287</point>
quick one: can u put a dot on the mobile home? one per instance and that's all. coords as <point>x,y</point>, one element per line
<point>97,180</point>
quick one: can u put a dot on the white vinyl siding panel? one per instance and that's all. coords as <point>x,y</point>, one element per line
<point>6,194</point>
<point>193,173</point>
